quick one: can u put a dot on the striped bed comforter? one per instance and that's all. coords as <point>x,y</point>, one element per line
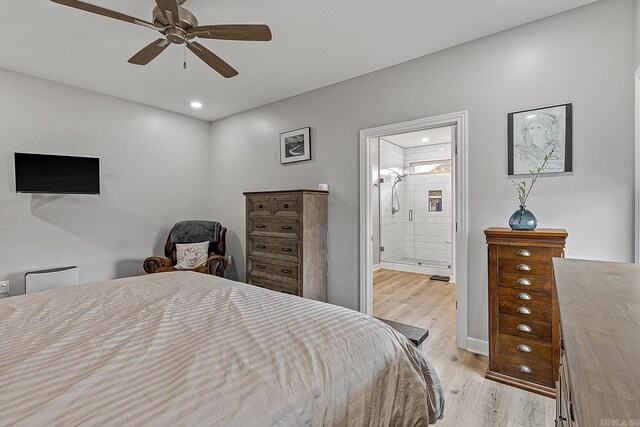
<point>185,348</point>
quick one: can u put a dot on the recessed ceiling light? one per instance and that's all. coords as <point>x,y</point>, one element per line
<point>196,104</point>
<point>425,139</point>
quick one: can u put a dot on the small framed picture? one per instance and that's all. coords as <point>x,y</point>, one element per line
<point>295,146</point>
<point>533,134</point>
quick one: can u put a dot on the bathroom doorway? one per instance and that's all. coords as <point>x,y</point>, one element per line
<point>413,223</point>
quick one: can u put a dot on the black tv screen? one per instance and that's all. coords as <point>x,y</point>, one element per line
<point>44,173</point>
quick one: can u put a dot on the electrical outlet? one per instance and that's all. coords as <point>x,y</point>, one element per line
<point>4,287</point>
<point>230,259</point>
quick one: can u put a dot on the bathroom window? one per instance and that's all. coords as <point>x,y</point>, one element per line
<point>430,167</point>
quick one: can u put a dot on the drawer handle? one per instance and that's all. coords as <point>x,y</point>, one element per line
<point>523,252</point>
<point>260,206</point>
<point>286,205</point>
<point>261,247</point>
<point>260,267</point>
<point>524,328</point>
<point>524,296</point>
<point>286,249</point>
<point>523,310</point>
<point>523,267</point>
<point>524,348</point>
<point>524,282</point>
<point>286,227</point>
<point>261,226</point>
<point>524,368</point>
<point>286,271</point>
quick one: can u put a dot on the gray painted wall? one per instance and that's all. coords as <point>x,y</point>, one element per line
<point>154,167</point>
<point>585,56</point>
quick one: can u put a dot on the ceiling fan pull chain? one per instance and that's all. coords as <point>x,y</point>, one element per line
<point>185,56</point>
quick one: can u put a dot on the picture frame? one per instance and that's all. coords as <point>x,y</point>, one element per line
<point>295,146</point>
<point>532,134</point>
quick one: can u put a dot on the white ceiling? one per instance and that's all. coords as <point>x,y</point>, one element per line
<point>315,43</point>
<point>435,136</point>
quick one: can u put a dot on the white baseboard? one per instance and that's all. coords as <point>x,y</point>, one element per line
<point>376,267</point>
<point>478,346</point>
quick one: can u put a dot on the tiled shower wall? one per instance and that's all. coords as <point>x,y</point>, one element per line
<point>426,239</point>
<point>431,240</point>
<point>392,236</point>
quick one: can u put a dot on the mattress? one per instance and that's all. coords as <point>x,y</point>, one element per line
<point>187,349</point>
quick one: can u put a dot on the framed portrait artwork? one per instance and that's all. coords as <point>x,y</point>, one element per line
<point>532,134</point>
<point>295,146</point>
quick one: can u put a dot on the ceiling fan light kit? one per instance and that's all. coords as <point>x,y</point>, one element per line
<point>179,26</point>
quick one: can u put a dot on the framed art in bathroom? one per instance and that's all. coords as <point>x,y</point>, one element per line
<point>533,134</point>
<point>295,146</point>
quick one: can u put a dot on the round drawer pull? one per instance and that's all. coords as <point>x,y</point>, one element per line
<point>524,296</point>
<point>523,267</point>
<point>523,310</point>
<point>286,205</point>
<point>524,348</point>
<point>523,252</point>
<point>524,282</point>
<point>524,368</point>
<point>286,249</point>
<point>524,328</point>
<point>286,271</point>
<point>286,227</point>
<point>260,206</point>
<point>261,247</point>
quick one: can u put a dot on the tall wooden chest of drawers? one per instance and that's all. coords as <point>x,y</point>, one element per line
<point>287,242</point>
<point>523,308</point>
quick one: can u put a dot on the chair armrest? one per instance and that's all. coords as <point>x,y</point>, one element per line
<point>153,263</point>
<point>216,265</point>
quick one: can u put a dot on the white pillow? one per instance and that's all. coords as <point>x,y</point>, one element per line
<point>191,255</point>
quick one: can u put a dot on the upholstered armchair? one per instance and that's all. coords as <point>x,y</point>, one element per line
<point>193,232</point>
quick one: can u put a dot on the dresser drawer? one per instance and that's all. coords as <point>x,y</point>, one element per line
<point>282,272</point>
<point>522,296</point>
<point>259,205</point>
<point>274,286</point>
<point>524,253</point>
<point>522,328</point>
<point>287,205</point>
<point>274,227</point>
<point>526,370</point>
<point>524,310</point>
<point>530,350</point>
<point>529,267</point>
<point>525,282</point>
<point>274,248</point>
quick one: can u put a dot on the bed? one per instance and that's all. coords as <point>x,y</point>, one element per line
<point>186,348</point>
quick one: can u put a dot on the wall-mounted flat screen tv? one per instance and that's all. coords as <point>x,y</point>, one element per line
<point>49,174</point>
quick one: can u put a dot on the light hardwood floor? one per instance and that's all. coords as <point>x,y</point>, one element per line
<point>470,399</point>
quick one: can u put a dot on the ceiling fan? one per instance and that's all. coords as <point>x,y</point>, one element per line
<point>179,26</point>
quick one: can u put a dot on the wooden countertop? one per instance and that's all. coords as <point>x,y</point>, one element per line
<point>600,319</point>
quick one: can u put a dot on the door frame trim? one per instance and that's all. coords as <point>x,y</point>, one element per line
<point>637,167</point>
<point>459,155</point>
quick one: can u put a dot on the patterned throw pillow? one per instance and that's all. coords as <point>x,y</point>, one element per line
<point>191,255</point>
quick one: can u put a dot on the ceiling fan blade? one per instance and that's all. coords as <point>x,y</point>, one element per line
<point>233,32</point>
<point>212,60</point>
<point>104,12</point>
<point>150,52</point>
<point>169,9</point>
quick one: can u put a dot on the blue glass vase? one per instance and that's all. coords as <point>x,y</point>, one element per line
<point>523,219</point>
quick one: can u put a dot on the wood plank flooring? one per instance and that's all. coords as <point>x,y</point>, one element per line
<point>470,399</point>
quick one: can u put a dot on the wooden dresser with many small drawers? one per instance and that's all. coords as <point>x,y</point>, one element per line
<point>523,309</point>
<point>287,242</point>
